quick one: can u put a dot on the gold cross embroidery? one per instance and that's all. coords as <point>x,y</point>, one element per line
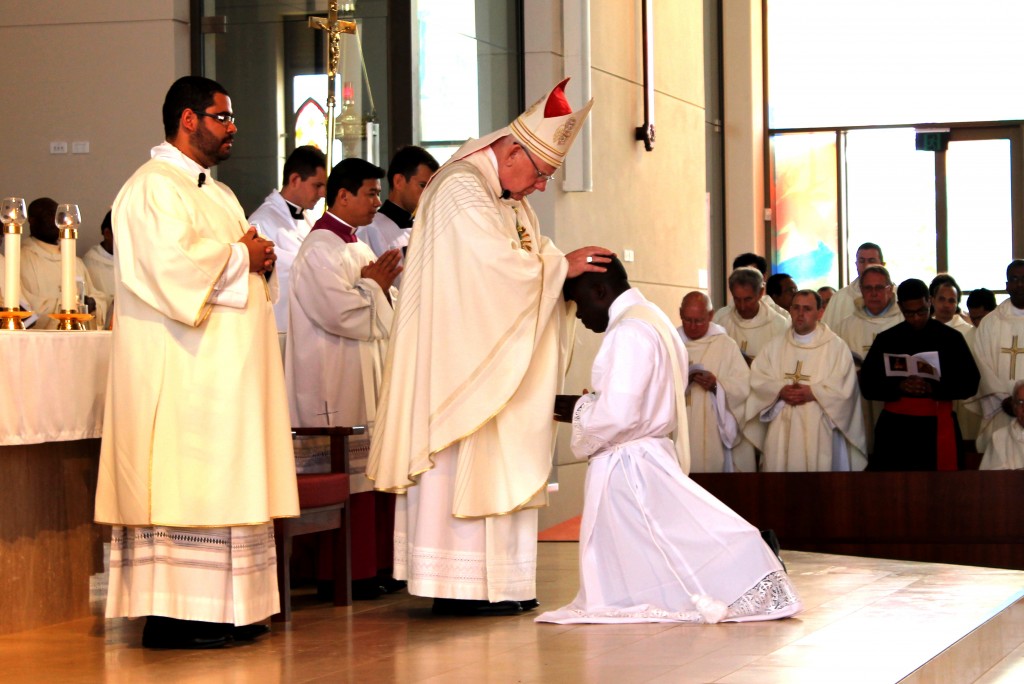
<point>1013,350</point>
<point>524,238</point>
<point>796,376</point>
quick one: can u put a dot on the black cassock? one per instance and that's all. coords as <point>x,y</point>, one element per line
<point>904,442</point>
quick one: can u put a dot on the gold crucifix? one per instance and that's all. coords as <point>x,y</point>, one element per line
<point>796,376</point>
<point>334,28</point>
<point>1013,350</point>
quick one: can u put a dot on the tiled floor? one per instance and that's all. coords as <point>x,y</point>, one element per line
<point>865,620</point>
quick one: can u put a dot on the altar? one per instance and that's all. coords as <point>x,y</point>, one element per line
<point>51,419</point>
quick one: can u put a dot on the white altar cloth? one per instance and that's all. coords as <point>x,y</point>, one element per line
<point>54,386</point>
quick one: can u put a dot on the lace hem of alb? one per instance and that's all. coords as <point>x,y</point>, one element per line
<point>772,594</point>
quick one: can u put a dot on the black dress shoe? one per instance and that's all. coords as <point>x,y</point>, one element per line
<point>249,632</point>
<point>529,604</point>
<point>164,632</point>
<point>443,606</point>
<point>390,585</point>
<point>366,589</point>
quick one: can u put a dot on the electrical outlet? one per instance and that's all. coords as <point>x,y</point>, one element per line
<point>627,255</point>
<point>58,147</point>
<point>80,147</point>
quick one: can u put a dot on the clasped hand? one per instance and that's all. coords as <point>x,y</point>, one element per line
<point>915,386</point>
<point>796,394</point>
<point>384,270</point>
<point>261,252</point>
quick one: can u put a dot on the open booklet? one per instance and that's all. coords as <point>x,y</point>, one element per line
<point>923,364</point>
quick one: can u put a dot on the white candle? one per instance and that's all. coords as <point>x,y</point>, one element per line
<point>68,289</point>
<point>12,274</point>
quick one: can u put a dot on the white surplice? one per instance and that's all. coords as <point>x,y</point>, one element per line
<point>824,434</point>
<point>1005,450</point>
<point>842,304</point>
<point>100,264</point>
<point>654,546</point>
<point>998,345</point>
<point>338,327</point>
<point>716,419</point>
<point>287,234</point>
<point>968,411</point>
<point>40,283</point>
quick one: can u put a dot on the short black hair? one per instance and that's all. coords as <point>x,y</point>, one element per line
<point>106,223</point>
<point>751,259</point>
<point>615,276</point>
<point>982,297</point>
<point>188,92</point>
<point>407,161</point>
<point>944,279</point>
<point>773,286</point>
<point>1013,264</point>
<point>911,289</point>
<point>872,245</point>
<point>304,160</point>
<point>349,174</point>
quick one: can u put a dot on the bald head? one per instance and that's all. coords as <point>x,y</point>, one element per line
<point>695,313</point>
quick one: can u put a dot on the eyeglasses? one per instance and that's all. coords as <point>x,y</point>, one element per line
<point>540,176</point>
<point>874,288</point>
<point>220,117</point>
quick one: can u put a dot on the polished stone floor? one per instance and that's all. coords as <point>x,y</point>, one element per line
<point>865,620</point>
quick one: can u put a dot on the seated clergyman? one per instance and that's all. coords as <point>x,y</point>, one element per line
<point>1006,450</point>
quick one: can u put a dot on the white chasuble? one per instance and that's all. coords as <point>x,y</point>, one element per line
<point>842,304</point>
<point>998,346</point>
<point>196,430</point>
<point>826,433</point>
<point>751,335</point>
<point>859,330</point>
<point>716,418</point>
<point>654,546</point>
<point>1006,449</point>
<point>338,327</point>
<point>100,264</point>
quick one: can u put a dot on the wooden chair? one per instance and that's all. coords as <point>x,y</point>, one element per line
<point>323,507</point>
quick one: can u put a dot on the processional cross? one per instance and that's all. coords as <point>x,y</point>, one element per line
<point>1013,350</point>
<point>797,377</point>
<point>334,28</point>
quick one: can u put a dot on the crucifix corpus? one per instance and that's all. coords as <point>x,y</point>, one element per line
<point>334,28</point>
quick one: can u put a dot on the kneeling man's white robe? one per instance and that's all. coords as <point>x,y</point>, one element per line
<point>1005,450</point>
<point>655,546</point>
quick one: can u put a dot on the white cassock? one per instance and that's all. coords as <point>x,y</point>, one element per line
<point>752,335</point>
<point>842,304</point>
<point>859,330</point>
<point>968,412</point>
<point>196,458</point>
<point>824,434</point>
<point>998,346</point>
<point>716,419</point>
<point>100,264</point>
<point>654,546</point>
<point>1005,450</point>
<point>382,234</point>
<point>40,283</point>
<point>287,234</point>
<point>338,327</point>
<point>724,312</point>
<point>464,429</point>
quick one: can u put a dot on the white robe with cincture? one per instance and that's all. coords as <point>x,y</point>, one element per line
<point>716,419</point>
<point>826,433</point>
<point>338,327</point>
<point>655,546</point>
<point>751,335</point>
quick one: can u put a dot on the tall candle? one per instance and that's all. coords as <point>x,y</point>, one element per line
<point>12,273</point>
<point>68,256</point>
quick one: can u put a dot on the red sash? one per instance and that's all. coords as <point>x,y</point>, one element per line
<point>945,435</point>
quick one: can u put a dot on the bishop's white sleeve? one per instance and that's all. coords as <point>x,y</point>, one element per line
<point>233,287</point>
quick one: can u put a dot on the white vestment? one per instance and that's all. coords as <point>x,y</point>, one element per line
<point>1005,450</point>
<point>716,419</point>
<point>464,425</point>
<point>383,234</point>
<point>40,283</point>
<point>842,304</point>
<point>998,344</point>
<point>859,330</point>
<point>654,546</point>
<point>196,458</point>
<point>968,411</point>
<point>723,313</point>
<point>826,433</point>
<point>287,234</point>
<point>100,264</point>
<point>338,326</point>
<point>751,335</point>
